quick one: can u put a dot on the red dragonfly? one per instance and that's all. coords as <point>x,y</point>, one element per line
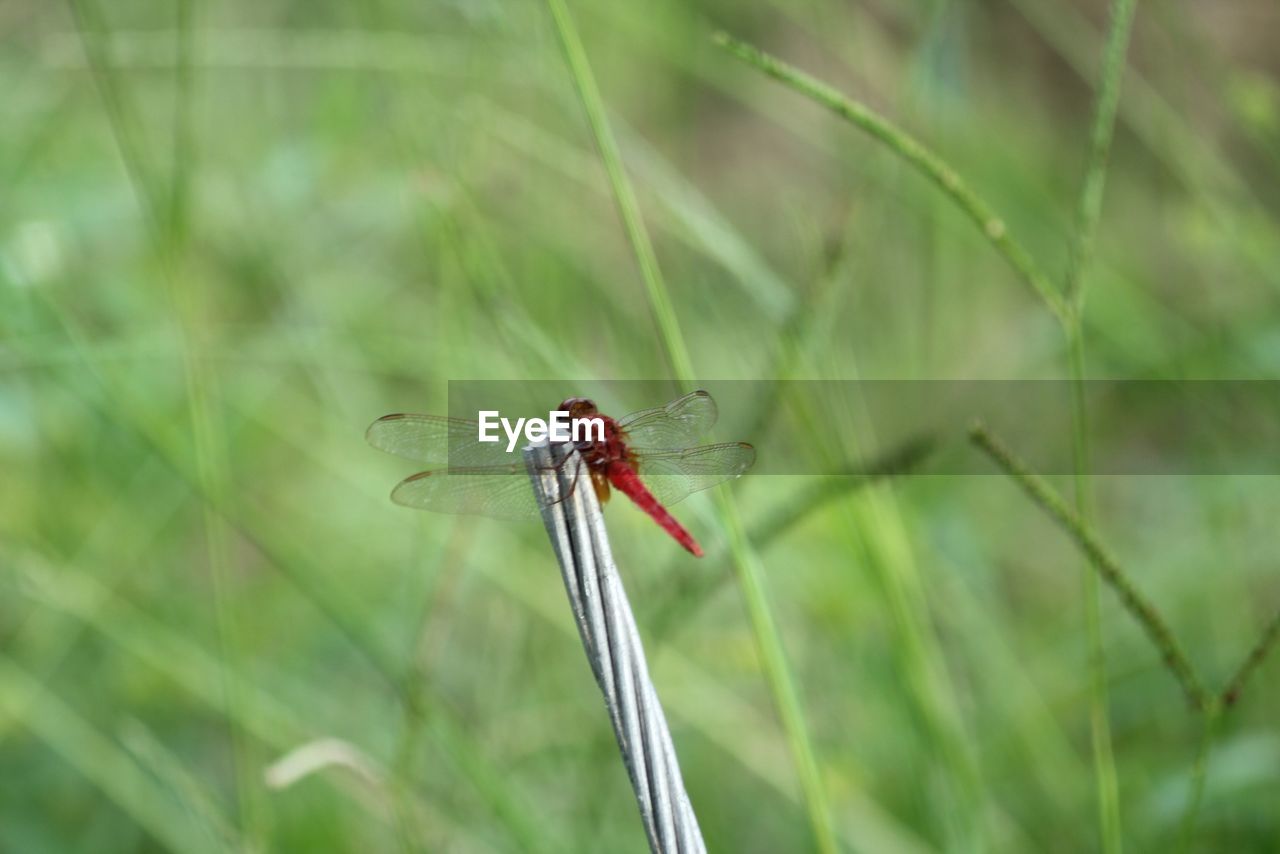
<point>648,456</point>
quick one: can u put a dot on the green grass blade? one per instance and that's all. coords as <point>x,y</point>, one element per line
<point>664,313</point>
<point>1089,204</point>
<point>914,153</point>
<point>1088,211</point>
<point>195,796</point>
<point>1108,567</point>
<point>1104,763</point>
<point>99,759</point>
<point>167,215</point>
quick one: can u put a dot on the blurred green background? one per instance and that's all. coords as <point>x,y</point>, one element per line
<point>232,235</point>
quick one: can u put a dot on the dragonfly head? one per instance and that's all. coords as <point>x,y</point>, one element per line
<point>579,407</point>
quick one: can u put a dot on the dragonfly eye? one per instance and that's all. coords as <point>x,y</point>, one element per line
<point>578,407</point>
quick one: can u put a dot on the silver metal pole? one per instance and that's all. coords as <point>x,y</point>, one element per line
<point>575,525</point>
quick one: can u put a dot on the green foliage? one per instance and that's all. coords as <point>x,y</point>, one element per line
<point>231,235</point>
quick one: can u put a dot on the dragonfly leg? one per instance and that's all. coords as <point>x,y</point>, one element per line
<point>573,483</point>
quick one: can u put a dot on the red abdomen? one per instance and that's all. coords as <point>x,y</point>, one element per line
<point>625,480</point>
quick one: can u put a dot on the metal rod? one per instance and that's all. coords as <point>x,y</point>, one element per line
<point>575,525</point>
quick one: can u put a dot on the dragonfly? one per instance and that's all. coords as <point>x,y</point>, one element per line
<point>651,456</point>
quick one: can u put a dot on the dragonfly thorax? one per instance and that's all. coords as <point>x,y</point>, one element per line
<point>597,453</point>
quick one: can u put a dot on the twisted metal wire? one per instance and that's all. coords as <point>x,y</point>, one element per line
<point>575,525</point>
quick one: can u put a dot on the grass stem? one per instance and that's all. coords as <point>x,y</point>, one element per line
<point>1104,764</point>
<point>1231,693</point>
<point>1089,203</point>
<point>1199,773</point>
<point>1107,566</point>
<point>914,153</point>
<point>166,214</point>
<point>1088,212</point>
<point>664,312</point>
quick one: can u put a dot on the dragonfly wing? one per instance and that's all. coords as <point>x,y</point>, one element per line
<point>452,442</point>
<point>498,492</point>
<point>679,424</point>
<point>671,475</point>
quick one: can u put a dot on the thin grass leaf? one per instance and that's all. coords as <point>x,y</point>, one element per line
<point>915,153</point>
<point>1108,567</point>
<point>1088,211</point>
<point>1089,205</point>
<point>167,214</point>
<point>1236,684</point>
<point>664,312</point>
<point>99,759</point>
<point>200,803</point>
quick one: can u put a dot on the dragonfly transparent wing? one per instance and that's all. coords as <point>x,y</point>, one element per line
<point>499,492</point>
<point>671,475</point>
<point>433,439</point>
<point>679,424</point>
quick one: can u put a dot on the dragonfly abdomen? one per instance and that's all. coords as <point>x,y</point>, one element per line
<point>625,480</point>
